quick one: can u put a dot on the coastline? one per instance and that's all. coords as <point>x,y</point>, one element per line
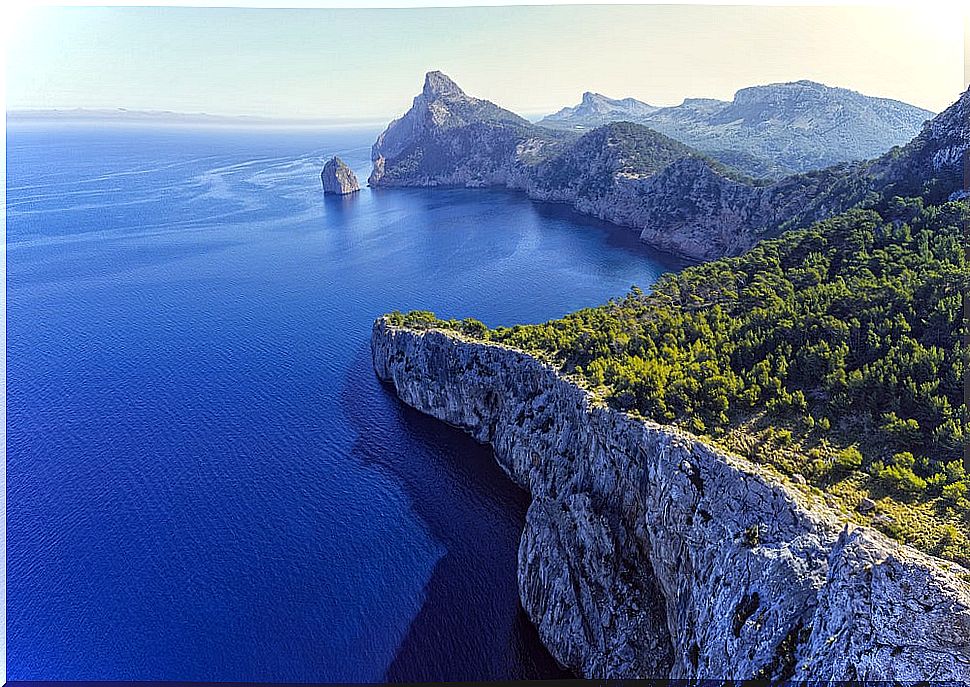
<point>647,553</point>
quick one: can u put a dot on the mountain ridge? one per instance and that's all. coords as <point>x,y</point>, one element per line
<point>678,198</point>
<point>450,121</point>
<point>596,104</point>
<point>772,130</point>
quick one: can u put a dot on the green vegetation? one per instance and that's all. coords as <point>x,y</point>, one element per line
<point>835,353</point>
<point>589,166</point>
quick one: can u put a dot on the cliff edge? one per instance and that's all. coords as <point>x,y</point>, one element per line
<point>647,553</point>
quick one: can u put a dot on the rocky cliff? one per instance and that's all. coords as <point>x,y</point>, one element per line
<point>647,553</point>
<point>676,197</point>
<point>449,138</point>
<point>935,164</point>
<point>338,179</point>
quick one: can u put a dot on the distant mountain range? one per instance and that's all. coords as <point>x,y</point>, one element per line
<point>679,198</point>
<point>766,131</point>
<point>595,110</point>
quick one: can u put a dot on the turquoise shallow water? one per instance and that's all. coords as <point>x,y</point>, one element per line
<point>205,480</point>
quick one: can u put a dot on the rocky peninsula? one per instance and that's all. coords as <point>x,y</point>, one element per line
<point>647,553</point>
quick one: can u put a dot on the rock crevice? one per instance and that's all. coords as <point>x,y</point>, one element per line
<point>647,553</point>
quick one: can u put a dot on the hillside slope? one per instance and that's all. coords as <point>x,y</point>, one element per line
<point>768,131</point>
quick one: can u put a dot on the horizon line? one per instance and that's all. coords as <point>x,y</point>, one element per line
<point>376,118</point>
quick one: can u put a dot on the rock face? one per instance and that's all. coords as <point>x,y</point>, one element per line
<point>773,130</point>
<point>675,197</point>
<point>937,162</point>
<point>647,553</point>
<point>338,179</point>
<point>449,138</point>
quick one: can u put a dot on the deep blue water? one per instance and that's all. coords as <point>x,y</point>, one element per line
<point>205,481</point>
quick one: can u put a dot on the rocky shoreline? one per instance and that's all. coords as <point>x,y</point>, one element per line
<point>647,553</point>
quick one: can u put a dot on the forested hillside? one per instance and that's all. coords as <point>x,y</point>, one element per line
<point>833,354</point>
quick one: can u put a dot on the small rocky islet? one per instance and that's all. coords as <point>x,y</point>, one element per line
<point>338,179</point>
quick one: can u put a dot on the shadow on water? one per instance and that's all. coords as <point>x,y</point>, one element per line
<point>615,235</point>
<point>344,203</point>
<point>476,512</point>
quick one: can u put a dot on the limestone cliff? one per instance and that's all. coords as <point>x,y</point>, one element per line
<point>449,138</point>
<point>647,553</point>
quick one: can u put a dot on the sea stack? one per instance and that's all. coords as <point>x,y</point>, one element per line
<point>338,179</point>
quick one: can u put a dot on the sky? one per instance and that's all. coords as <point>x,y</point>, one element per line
<point>369,63</point>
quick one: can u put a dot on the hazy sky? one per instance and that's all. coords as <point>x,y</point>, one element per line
<point>370,63</point>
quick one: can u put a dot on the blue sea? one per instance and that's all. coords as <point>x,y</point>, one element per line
<point>205,481</point>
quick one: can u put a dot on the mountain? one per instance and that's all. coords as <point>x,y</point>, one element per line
<point>930,166</point>
<point>774,130</point>
<point>596,110</point>
<point>614,154</point>
<point>698,213</point>
<point>933,164</point>
<point>678,198</point>
<point>450,138</point>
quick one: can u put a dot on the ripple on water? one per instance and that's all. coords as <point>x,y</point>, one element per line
<point>205,480</point>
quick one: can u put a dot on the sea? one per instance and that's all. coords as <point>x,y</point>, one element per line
<point>205,479</point>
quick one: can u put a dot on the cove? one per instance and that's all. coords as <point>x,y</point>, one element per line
<point>205,479</point>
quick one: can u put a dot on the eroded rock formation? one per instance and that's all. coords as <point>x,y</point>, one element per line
<point>338,179</point>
